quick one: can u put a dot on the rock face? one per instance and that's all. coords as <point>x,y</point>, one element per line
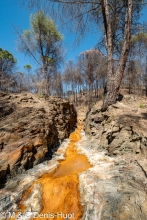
<point>31,128</point>
<point>118,131</point>
<point>11,194</point>
<point>115,187</point>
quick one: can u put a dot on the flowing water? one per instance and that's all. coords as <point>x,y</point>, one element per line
<point>60,194</point>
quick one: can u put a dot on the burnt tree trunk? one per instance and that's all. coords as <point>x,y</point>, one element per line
<point>114,79</point>
<point>45,86</point>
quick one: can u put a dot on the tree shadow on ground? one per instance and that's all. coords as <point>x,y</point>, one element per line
<point>138,121</point>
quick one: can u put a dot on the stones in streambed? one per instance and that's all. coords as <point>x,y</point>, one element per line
<point>112,196</point>
<point>5,202</point>
<point>31,129</point>
<point>16,186</point>
<point>114,187</point>
<point>33,203</point>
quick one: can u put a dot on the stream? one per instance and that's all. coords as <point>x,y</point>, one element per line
<point>56,194</point>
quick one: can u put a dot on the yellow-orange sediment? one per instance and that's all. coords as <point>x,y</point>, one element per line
<point>60,188</point>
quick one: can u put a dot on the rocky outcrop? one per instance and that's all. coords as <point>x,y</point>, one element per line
<point>11,194</point>
<point>31,129</point>
<point>114,188</point>
<point>116,145</point>
<point>118,130</point>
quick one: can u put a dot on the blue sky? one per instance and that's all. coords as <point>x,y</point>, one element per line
<point>12,13</point>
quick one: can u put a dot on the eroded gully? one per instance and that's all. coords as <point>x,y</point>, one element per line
<point>59,193</point>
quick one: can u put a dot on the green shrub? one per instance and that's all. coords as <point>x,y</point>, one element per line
<point>103,97</point>
<point>40,95</point>
<point>141,106</point>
